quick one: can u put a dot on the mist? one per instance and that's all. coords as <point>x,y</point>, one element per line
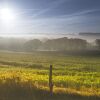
<point>50,42</point>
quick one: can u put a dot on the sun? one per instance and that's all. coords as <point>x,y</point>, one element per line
<point>6,14</point>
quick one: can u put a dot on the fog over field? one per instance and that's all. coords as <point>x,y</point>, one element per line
<point>89,36</point>
<point>49,49</point>
<point>50,42</point>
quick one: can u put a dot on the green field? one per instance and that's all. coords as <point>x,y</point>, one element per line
<point>24,76</point>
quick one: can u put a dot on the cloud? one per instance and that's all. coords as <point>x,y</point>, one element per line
<point>64,23</point>
<point>54,4</point>
<point>30,20</point>
<point>84,12</point>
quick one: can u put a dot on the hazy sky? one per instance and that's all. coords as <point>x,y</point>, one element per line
<point>51,16</point>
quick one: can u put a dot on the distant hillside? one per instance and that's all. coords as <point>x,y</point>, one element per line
<point>89,34</point>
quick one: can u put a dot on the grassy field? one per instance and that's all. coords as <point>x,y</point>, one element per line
<point>24,76</point>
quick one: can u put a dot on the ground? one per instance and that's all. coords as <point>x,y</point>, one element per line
<point>25,76</point>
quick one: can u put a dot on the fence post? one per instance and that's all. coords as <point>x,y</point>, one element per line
<point>50,80</point>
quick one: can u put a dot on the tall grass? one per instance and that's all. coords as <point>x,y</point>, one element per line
<point>25,74</point>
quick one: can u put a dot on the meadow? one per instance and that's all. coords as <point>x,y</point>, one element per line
<point>25,76</point>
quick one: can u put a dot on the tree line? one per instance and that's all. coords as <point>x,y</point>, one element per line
<point>59,44</point>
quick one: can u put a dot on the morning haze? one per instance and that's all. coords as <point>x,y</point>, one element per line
<point>49,49</point>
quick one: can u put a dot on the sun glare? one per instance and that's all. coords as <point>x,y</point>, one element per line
<point>6,14</point>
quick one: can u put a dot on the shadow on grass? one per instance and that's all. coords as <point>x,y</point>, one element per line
<point>28,92</point>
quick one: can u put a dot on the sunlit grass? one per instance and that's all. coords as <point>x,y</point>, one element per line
<point>71,74</point>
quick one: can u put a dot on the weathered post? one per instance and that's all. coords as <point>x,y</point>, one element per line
<point>50,81</point>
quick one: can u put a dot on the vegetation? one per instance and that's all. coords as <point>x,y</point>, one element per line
<point>98,43</point>
<point>59,44</point>
<point>25,76</point>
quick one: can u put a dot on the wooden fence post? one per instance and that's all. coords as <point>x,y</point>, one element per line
<point>50,80</point>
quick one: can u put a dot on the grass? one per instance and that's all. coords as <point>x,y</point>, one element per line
<point>25,76</point>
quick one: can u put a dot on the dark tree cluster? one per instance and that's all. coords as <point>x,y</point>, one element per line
<point>97,41</point>
<point>60,44</point>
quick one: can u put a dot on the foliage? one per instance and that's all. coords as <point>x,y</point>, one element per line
<point>98,43</point>
<point>71,74</point>
<point>59,44</point>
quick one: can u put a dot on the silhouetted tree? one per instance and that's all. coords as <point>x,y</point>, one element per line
<point>98,43</point>
<point>64,44</point>
<point>32,45</point>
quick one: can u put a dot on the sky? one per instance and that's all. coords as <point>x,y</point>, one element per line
<point>50,16</point>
